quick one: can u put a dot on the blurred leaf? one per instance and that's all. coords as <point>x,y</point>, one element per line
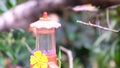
<point>12,56</point>
<point>23,40</point>
<point>105,36</point>
<point>3,47</point>
<point>3,7</point>
<point>2,62</point>
<point>12,2</point>
<point>21,1</point>
<point>77,63</point>
<point>117,52</point>
<point>59,58</point>
<point>102,38</point>
<point>113,48</point>
<point>106,59</point>
<point>70,29</point>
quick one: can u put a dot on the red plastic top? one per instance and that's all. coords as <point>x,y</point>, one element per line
<point>45,15</point>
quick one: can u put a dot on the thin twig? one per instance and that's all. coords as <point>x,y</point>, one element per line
<point>108,18</point>
<point>69,53</point>
<point>114,6</point>
<point>29,49</point>
<point>90,24</point>
<point>97,22</point>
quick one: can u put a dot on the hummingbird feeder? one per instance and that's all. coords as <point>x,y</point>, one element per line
<point>45,51</point>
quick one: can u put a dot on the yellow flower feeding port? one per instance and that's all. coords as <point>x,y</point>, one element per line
<point>38,60</point>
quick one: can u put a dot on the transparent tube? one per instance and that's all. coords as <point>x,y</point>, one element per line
<point>44,43</point>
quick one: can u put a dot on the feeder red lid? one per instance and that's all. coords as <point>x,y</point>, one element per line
<point>45,22</point>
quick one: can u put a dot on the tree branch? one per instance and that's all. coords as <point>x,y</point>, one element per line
<point>22,15</point>
<point>70,56</point>
<point>93,25</point>
<point>19,16</point>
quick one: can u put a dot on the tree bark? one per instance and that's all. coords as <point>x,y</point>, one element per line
<point>20,16</point>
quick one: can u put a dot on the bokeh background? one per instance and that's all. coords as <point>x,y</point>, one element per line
<point>91,47</point>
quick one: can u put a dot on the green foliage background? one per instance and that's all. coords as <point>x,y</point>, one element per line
<point>91,48</point>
